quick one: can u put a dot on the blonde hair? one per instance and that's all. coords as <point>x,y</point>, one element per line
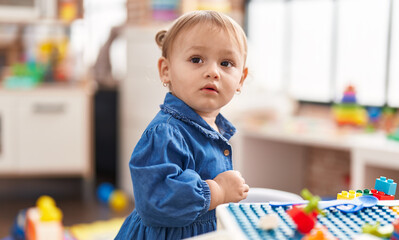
<point>165,39</point>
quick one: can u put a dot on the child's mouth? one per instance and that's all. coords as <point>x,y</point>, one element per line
<point>210,89</point>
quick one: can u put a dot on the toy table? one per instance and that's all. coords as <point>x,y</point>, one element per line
<point>240,220</point>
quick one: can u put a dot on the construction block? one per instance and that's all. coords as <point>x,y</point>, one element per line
<point>304,222</point>
<point>386,186</point>
<point>367,192</point>
<point>345,195</point>
<point>383,196</point>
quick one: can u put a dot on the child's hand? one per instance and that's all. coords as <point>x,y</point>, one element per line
<point>227,187</point>
<point>232,185</point>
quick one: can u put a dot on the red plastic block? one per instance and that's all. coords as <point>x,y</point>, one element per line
<point>383,196</point>
<point>305,222</point>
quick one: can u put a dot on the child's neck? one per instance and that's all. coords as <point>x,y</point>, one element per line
<point>210,119</point>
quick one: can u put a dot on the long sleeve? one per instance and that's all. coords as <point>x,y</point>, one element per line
<point>168,191</point>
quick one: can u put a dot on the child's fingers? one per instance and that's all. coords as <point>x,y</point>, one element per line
<point>246,188</point>
<point>245,195</point>
<point>238,173</point>
<point>244,191</point>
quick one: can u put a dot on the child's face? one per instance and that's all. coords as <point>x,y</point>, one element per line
<point>204,69</point>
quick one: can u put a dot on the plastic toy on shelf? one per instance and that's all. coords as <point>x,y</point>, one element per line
<point>374,118</point>
<point>25,75</point>
<point>394,135</point>
<point>348,112</point>
<point>389,120</point>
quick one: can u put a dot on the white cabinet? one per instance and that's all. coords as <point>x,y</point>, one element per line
<point>45,132</point>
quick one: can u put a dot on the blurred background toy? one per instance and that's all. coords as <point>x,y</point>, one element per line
<point>115,198</point>
<point>374,118</point>
<point>25,75</point>
<point>388,120</point>
<point>348,112</point>
<point>18,228</point>
<point>44,221</point>
<point>394,135</point>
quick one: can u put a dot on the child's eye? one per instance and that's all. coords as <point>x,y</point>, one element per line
<point>226,64</point>
<point>196,60</point>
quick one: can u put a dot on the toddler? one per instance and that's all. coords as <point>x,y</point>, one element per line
<point>181,167</point>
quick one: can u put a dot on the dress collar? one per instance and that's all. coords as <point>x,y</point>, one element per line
<point>180,110</point>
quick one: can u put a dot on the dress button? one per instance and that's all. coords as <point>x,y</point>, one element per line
<point>226,152</point>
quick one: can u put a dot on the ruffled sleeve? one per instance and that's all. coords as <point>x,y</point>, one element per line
<point>168,191</point>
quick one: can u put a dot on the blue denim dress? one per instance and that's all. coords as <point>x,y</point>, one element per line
<point>175,155</point>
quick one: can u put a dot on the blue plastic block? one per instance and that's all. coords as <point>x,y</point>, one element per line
<point>386,186</point>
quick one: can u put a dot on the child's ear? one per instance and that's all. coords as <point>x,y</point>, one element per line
<point>163,70</point>
<point>243,76</point>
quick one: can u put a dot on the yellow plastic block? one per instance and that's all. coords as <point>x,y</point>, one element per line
<point>348,195</point>
<point>344,195</point>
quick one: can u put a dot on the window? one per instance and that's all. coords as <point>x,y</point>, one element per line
<point>326,45</point>
<point>266,36</point>
<point>310,68</point>
<point>362,48</point>
<point>100,17</point>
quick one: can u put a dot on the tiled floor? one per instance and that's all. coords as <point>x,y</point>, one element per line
<point>75,209</point>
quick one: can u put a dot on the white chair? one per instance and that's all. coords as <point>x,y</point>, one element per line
<point>261,195</point>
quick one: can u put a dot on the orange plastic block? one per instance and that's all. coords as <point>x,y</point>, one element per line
<point>36,229</point>
<point>395,209</point>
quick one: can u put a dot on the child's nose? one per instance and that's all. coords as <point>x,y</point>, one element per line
<point>213,72</point>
